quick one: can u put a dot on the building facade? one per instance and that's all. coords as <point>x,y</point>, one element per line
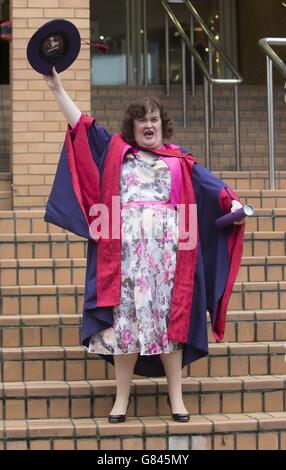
<point>33,128</point>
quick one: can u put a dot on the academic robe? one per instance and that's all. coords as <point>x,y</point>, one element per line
<point>88,173</point>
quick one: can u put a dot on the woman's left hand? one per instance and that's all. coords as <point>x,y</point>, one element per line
<point>234,206</point>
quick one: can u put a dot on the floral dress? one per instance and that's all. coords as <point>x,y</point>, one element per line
<point>149,248</point>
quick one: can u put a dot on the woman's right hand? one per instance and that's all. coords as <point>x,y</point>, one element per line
<point>54,82</point>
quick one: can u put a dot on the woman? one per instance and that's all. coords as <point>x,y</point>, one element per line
<point>147,290</point>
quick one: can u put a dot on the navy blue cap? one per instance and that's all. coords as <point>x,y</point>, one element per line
<point>55,44</point>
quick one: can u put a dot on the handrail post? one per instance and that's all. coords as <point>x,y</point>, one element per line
<point>192,38</point>
<point>272,58</point>
<point>184,84</point>
<point>211,96</point>
<point>145,44</point>
<point>270,124</point>
<point>207,121</point>
<point>167,52</point>
<point>237,128</point>
<point>128,74</point>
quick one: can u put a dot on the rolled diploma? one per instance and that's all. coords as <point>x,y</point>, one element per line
<point>239,214</point>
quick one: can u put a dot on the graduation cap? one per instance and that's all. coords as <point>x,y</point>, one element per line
<point>56,44</point>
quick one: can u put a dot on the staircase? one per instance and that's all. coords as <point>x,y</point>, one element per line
<point>54,395</point>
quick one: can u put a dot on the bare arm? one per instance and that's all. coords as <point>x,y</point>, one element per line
<point>69,109</point>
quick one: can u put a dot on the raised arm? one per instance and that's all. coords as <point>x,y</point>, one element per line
<point>69,109</point>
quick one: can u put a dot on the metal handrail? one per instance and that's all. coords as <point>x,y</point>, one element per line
<point>278,62</point>
<point>272,57</point>
<point>200,62</point>
<point>213,40</point>
<point>209,79</point>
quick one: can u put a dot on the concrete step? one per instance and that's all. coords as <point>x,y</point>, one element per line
<point>243,180</point>
<point>23,222</point>
<point>94,399</point>
<point>62,246</point>
<point>64,330</point>
<point>32,272</point>
<point>255,431</point>
<point>49,330</point>
<point>264,244</point>
<point>37,245</point>
<point>67,245</point>
<point>75,363</point>
<point>267,218</point>
<point>263,199</point>
<point>262,269</point>
<point>68,299</point>
<point>44,300</point>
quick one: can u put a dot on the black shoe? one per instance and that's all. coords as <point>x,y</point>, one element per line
<point>118,418</point>
<point>179,417</point>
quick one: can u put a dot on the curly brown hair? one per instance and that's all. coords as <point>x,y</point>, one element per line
<point>136,110</point>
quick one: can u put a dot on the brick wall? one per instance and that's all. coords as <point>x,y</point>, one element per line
<point>4,128</point>
<point>38,128</point>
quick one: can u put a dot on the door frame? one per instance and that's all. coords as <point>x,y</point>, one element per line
<point>136,42</point>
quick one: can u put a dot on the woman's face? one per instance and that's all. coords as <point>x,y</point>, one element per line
<point>148,130</point>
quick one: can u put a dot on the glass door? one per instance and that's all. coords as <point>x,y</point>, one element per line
<point>134,30</point>
<point>136,39</point>
<point>122,25</point>
<point>108,26</point>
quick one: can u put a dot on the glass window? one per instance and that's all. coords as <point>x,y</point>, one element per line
<point>108,26</point>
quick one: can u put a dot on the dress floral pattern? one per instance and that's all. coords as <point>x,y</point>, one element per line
<point>149,248</point>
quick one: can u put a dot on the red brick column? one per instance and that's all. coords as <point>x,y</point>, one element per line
<point>38,127</point>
